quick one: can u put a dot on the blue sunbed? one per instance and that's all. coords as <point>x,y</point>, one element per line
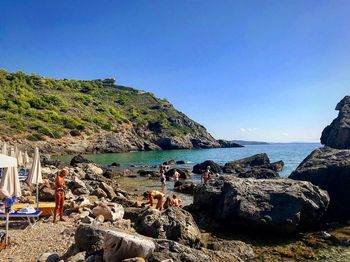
<point>29,216</point>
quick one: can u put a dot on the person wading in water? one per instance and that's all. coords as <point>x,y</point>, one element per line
<point>59,195</point>
<point>206,175</point>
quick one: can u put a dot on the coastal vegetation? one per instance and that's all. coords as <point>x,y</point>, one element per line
<point>35,107</point>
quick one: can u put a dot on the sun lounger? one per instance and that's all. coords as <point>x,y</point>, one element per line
<point>31,217</point>
<point>47,208</point>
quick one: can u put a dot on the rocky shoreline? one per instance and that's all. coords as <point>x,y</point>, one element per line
<point>101,214</point>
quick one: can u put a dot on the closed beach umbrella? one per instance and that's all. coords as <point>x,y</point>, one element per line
<point>35,176</point>
<point>9,184</point>
<point>4,149</point>
<point>26,158</point>
<point>16,151</point>
<point>20,158</point>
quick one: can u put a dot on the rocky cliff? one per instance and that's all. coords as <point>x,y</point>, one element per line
<point>66,116</point>
<point>337,134</point>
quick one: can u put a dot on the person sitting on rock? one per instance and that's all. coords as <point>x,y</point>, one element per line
<point>59,194</point>
<point>154,195</point>
<point>175,201</point>
<point>167,203</point>
<point>206,175</point>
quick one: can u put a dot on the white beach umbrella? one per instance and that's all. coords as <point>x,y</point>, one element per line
<point>20,158</point>
<point>26,158</point>
<point>9,184</point>
<point>16,151</point>
<point>4,149</point>
<point>35,176</point>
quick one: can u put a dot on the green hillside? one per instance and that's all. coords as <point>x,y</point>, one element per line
<point>34,107</point>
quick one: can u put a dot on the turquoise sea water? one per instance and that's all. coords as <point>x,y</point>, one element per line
<point>291,154</point>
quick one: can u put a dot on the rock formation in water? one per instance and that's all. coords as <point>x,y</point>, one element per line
<point>337,134</point>
<point>257,166</point>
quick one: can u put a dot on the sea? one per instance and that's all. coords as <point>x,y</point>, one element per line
<point>292,155</point>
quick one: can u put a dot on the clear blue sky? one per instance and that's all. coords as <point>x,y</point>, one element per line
<point>256,70</point>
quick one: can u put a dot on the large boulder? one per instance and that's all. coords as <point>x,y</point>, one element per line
<point>89,238</point>
<point>280,205</point>
<point>257,166</point>
<point>237,166</point>
<point>330,170</point>
<point>119,245</point>
<point>173,223</point>
<point>337,134</point>
<point>200,168</point>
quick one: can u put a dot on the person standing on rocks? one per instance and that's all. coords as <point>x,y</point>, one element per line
<point>206,175</point>
<point>162,179</point>
<point>151,195</point>
<point>59,195</point>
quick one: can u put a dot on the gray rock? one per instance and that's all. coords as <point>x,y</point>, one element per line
<point>277,166</point>
<point>108,190</point>
<point>239,166</point>
<point>78,183</point>
<point>89,238</point>
<point>200,168</point>
<point>337,134</point>
<point>279,205</point>
<point>330,170</point>
<point>119,245</point>
<point>173,223</point>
